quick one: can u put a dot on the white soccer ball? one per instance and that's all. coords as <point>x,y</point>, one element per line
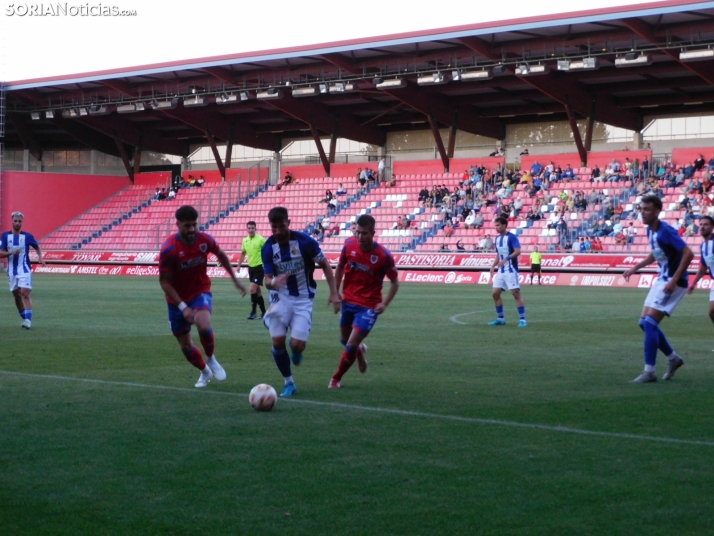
<point>262,397</point>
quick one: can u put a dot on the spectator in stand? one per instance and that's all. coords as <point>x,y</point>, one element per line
<point>536,168</point>
<point>191,181</point>
<point>382,169</point>
<point>699,162</point>
<point>406,223</point>
<point>596,245</point>
<point>162,194</point>
<point>328,197</point>
<point>581,245</point>
<point>620,239</point>
<point>444,247</point>
<point>392,182</point>
<point>568,246</point>
<point>525,152</point>
<point>706,181</point>
<point>710,164</point>
<point>692,229</point>
<point>595,174</point>
<point>486,244</point>
<point>569,173</point>
<point>155,197</point>
<point>630,231</point>
<point>469,221</point>
<point>533,215</point>
<point>172,194</point>
<point>341,190</point>
<point>362,177</point>
<point>200,181</point>
<point>696,186</point>
<point>460,246</point>
<point>423,195</point>
<point>688,171</point>
<point>448,229</point>
<point>646,167</point>
<point>517,206</point>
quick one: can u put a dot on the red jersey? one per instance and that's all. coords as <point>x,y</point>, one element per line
<point>188,264</point>
<point>365,272</point>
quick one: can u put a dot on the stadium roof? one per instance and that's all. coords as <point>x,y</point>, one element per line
<point>615,65</point>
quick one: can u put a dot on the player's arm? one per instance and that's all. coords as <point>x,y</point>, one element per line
<point>334,297</point>
<point>687,256</point>
<point>393,289</point>
<point>339,274</point>
<point>226,263</point>
<point>36,247</point>
<point>700,273</point>
<point>242,257</point>
<point>649,259</point>
<point>495,262</point>
<point>171,293</point>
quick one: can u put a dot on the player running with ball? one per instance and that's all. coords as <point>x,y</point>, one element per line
<point>183,278</point>
<point>364,264</point>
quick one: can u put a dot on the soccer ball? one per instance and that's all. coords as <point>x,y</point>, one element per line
<point>262,397</point>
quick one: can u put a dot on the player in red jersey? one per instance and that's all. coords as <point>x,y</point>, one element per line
<point>183,278</point>
<point>364,264</point>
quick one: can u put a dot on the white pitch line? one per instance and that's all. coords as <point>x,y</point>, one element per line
<point>421,414</point>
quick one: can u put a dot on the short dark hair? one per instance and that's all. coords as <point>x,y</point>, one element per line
<point>365,220</point>
<point>186,213</point>
<point>652,200</point>
<point>708,218</point>
<point>501,220</point>
<point>251,222</point>
<point>277,214</point>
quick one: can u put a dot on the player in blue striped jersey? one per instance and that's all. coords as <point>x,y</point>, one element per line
<point>15,245</point>
<point>673,257</point>
<point>508,248</point>
<point>289,259</point>
<point>706,263</point>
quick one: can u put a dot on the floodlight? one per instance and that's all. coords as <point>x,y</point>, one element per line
<point>323,88</point>
<point>194,102</point>
<point>244,95</point>
<point>393,83</point>
<point>96,109</point>
<point>270,94</point>
<point>563,65</point>
<point>226,98</point>
<point>578,65</point>
<point>35,116</point>
<point>633,59</point>
<point>83,111</point>
<point>309,91</point>
<point>50,114</point>
<point>73,113</point>
<point>378,80</point>
<point>696,55</point>
<point>468,76</point>
<point>498,69</point>
<point>164,104</point>
<point>126,108</point>
<point>455,75</point>
<point>431,79</point>
<point>530,70</point>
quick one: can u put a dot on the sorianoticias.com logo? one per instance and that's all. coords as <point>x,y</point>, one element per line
<point>59,9</point>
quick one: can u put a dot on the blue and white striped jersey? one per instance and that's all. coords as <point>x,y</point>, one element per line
<point>297,258</point>
<point>18,264</point>
<point>667,248</point>
<point>707,251</point>
<point>505,246</point>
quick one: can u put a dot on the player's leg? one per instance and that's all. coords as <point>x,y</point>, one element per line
<point>258,282</point>
<point>658,305</point>
<point>540,273</point>
<point>252,289</point>
<point>19,302</point>
<point>25,288</point>
<point>300,326</point>
<point>277,322</point>
<point>497,301</point>
<point>203,307</point>
<point>520,304</point>
<point>363,320</point>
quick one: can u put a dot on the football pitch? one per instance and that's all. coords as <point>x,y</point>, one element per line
<point>456,428</point>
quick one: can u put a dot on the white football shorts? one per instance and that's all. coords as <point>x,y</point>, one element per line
<point>289,312</point>
<point>20,281</point>
<point>711,295</point>
<point>506,281</point>
<point>659,300</point>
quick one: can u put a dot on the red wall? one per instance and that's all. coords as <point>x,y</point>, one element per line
<point>558,159</point>
<point>680,157</point>
<point>417,167</point>
<point>153,178</point>
<point>49,200</point>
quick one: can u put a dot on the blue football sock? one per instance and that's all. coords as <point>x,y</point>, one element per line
<point>664,343</point>
<point>651,340</point>
<point>641,323</point>
<point>28,314</point>
<point>522,312</point>
<point>282,360</point>
<point>499,311</point>
<point>22,314</point>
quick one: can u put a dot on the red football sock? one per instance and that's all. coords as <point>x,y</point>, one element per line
<point>346,362</point>
<point>195,358</point>
<point>208,342</point>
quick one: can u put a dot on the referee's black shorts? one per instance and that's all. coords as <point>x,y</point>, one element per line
<point>256,275</point>
<point>535,268</point>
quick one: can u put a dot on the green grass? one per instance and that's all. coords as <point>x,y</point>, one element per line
<point>143,452</point>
